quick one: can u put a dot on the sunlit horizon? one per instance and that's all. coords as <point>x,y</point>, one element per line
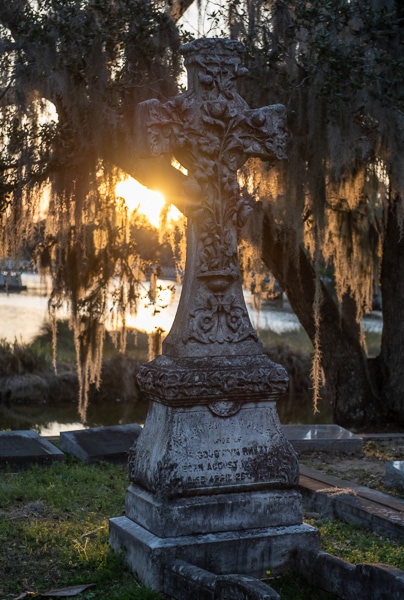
<point>149,203</point>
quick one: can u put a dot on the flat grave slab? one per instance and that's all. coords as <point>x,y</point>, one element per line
<point>323,438</point>
<point>21,449</point>
<point>111,443</point>
<point>394,474</point>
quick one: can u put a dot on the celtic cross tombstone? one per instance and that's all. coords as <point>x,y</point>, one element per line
<point>212,460</point>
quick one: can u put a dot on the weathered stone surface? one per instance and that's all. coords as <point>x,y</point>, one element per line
<point>183,451</point>
<point>205,430</point>
<point>323,438</point>
<point>239,587</point>
<point>352,503</point>
<point>250,552</point>
<point>227,379</point>
<point>213,513</point>
<point>100,443</point>
<point>347,581</point>
<point>183,581</point>
<point>20,449</point>
<point>212,132</point>
<point>394,475</point>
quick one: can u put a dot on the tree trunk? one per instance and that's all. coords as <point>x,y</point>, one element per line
<point>391,359</point>
<point>347,380</point>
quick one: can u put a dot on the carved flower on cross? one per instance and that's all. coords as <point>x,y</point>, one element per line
<point>147,381</point>
<point>234,318</point>
<point>221,319</point>
<point>205,170</point>
<point>204,321</point>
<point>230,184</point>
<point>218,253</point>
<point>217,108</point>
<point>159,140</point>
<point>181,139</point>
<point>209,144</point>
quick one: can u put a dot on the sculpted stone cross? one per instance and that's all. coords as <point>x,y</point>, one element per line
<point>212,132</point>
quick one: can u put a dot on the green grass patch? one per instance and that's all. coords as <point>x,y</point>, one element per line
<point>359,545</point>
<point>54,531</point>
<point>354,544</point>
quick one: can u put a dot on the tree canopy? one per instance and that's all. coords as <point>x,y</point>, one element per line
<point>72,74</point>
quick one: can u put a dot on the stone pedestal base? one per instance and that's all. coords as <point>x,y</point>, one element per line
<point>214,485</point>
<point>251,551</point>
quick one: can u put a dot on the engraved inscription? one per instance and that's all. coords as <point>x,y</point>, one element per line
<point>233,459</point>
<point>194,450</point>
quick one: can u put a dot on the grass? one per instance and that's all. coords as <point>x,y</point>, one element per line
<point>54,534</point>
<point>293,587</point>
<point>54,530</point>
<point>359,545</point>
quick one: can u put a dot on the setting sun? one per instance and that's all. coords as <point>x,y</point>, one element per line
<point>138,197</point>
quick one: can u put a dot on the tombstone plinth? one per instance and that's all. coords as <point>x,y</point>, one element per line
<point>100,443</point>
<point>21,449</point>
<point>214,480</point>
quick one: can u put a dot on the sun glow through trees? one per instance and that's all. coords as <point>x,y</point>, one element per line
<point>148,202</point>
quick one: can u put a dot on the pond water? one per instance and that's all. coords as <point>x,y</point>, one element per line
<point>23,315</point>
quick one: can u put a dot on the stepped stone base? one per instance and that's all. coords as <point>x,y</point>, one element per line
<point>251,551</point>
<point>215,486</point>
<point>213,513</point>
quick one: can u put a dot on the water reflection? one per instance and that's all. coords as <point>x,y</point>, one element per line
<point>23,315</point>
<point>50,420</point>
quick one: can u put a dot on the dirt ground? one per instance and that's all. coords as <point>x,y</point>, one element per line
<point>367,470</point>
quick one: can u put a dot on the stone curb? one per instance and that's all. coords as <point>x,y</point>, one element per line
<point>183,580</point>
<point>353,504</point>
<point>365,581</point>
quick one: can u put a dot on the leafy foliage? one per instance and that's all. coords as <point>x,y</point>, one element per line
<point>72,75</point>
